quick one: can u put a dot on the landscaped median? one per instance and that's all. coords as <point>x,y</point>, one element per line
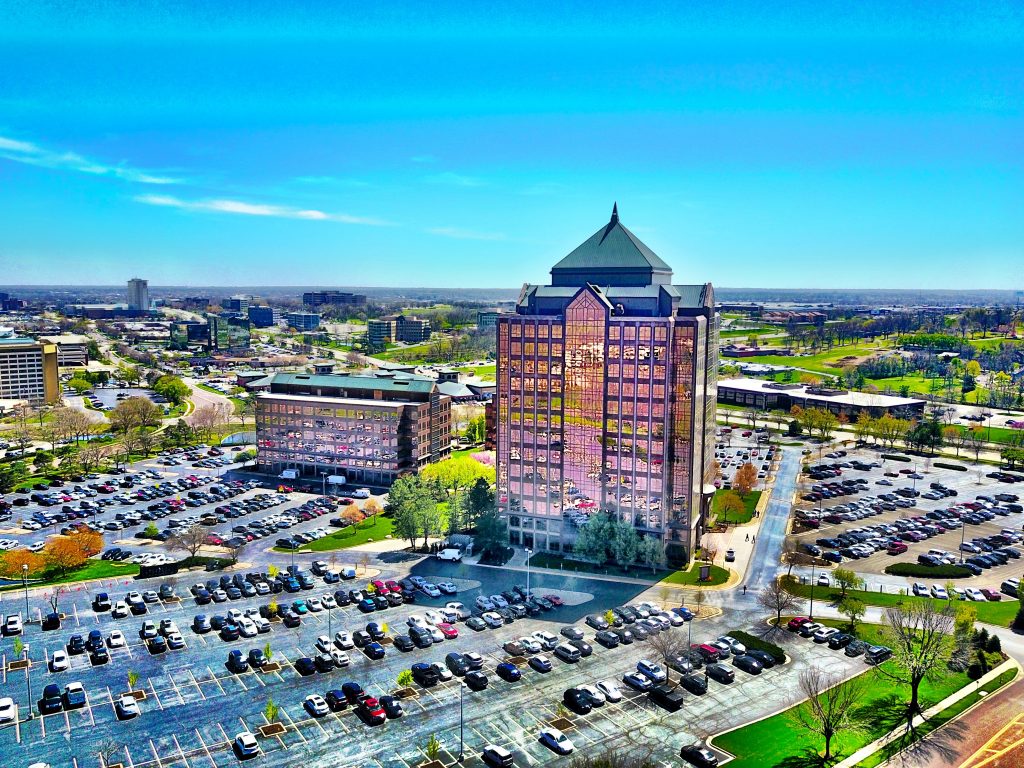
<point>374,528</point>
<point>880,709</point>
<point>687,577</point>
<point>999,613</point>
<point>93,569</point>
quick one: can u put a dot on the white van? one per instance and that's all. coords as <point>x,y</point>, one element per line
<point>450,554</point>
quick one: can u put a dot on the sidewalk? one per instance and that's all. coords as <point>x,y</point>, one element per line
<point>869,749</point>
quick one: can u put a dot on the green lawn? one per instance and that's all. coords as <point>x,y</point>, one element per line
<point>749,502</point>
<point>690,577</point>
<point>376,528</point>
<point>1000,614</point>
<point>771,741</point>
<point>556,562</point>
<point>94,569</point>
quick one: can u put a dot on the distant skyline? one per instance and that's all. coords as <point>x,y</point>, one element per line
<point>308,144</point>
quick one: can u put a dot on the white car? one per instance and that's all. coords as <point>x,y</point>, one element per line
<point>433,617</point>
<point>734,645</point>
<point>120,610</point>
<point>484,603</point>
<point>323,644</point>
<point>315,705</point>
<point>461,611</point>
<point>530,645</point>
<point>341,658</point>
<point>431,590</point>
<point>823,634</point>
<point>499,601</point>
<point>246,745</point>
<point>8,710</point>
<point>116,639</point>
<point>610,690</point>
<point>329,602</point>
<point>919,589</point>
<point>417,621</point>
<point>343,640</point>
<point>939,593</point>
<point>247,628</point>
<point>127,707</point>
<point>594,693</point>
<point>442,671</point>
<point>493,620</point>
<point>60,661</point>
<point>973,593</point>
<point>314,605</point>
<point>546,639</point>
<point>13,625</point>
<point>556,741</point>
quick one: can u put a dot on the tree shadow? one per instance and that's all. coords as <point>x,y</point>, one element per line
<point>808,758</point>
<point>910,746</point>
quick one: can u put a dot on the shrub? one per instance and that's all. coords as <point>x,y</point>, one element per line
<point>895,457</point>
<point>994,645</point>
<point>943,465</point>
<point>758,644</point>
<point>927,571</point>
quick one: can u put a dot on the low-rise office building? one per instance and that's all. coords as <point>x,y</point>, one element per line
<point>303,321</point>
<point>264,317</point>
<point>28,371</point>
<point>224,333</point>
<point>369,429</point>
<point>384,330</point>
<point>777,396</point>
<point>338,298</point>
<point>72,349</point>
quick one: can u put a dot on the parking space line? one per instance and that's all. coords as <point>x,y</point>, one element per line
<point>180,751</point>
<point>214,678</point>
<point>292,724</point>
<point>156,755</point>
<point>153,689</point>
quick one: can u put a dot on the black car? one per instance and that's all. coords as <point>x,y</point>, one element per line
<point>404,643</point>
<point>237,662</point>
<point>476,624</point>
<point>509,672</point>
<point>323,662</point>
<point>607,639</point>
<point>76,645</point>
<point>157,644</point>
<point>719,672</point>
<point>421,637</point>
<point>456,664</point>
<point>52,700</point>
<point>256,658</point>
<point>100,656</point>
<point>230,632</point>
<point>425,675</point>
<point>840,640</point>
<point>336,700</point>
<point>695,684</point>
<point>667,697</point>
<point>582,646</point>
<point>95,640</point>
<point>374,651</point>
<point>291,619</point>
<point>766,659</point>
<point>305,666</point>
<point>699,756</point>
<point>101,602</point>
<point>392,707</point>
<point>748,664</point>
<point>361,638</point>
<point>476,680</point>
<point>578,701</point>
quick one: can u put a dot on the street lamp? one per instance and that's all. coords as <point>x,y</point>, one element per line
<point>324,476</point>
<point>462,690</point>
<point>28,677</point>
<point>528,553</point>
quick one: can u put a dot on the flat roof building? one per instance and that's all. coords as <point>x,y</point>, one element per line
<point>72,349</point>
<point>28,371</point>
<point>338,298</point>
<point>138,294</point>
<point>774,396</point>
<point>370,429</point>
<point>303,321</point>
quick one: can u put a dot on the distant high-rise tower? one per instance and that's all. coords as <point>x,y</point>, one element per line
<point>606,398</point>
<point>138,294</point>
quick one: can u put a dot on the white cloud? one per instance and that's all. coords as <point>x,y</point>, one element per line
<point>465,234</point>
<point>33,154</point>
<point>455,180</point>
<point>243,208</point>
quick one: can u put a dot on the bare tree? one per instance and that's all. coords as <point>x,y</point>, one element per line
<point>189,540</point>
<point>774,597</point>
<point>236,550</point>
<point>668,645</point>
<point>55,596</point>
<point>921,637</point>
<point>830,705</point>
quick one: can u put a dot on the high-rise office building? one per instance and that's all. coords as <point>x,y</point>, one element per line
<point>606,398</point>
<point>28,371</point>
<point>138,294</point>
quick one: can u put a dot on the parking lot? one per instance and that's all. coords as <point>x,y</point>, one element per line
<point>887,517</point>
<point>194,706</point>
<point>735,447</point>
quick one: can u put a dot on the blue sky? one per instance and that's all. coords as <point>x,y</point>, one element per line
<point>423,145</point>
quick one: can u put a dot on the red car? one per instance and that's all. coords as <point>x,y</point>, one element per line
<point>554,600</point>
<point>214,540</point>
<point>380,587</point>
<point>897,548</point>
<point>448,630</point>
<point>748,433</point>
<point>371,711</point>
<point>393,586</point>
<point>991,594</point>
<point>796,622</point>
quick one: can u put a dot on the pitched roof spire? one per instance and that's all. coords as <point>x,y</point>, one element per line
<point>615,213</point>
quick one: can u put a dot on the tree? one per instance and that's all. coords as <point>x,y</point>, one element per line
<point>593,538</point>
<point>190,540</point>
<point>846,579</point>
<point>667,645</point>
<point>651,552</point>
<point>491,532</point>
<point>173,388</point>
<point>79,384</point>
<point>774,598</point>
<point>352,514</point>
<point>54,597</point>
<point>954,436</point>
<point>625,544</point>
<point>745,479</point>
<point>410,503</point>
<point>456,475</point>
<point>976,440</point>
<point>479,500</point>
<point>12,564</point>
<point>432,748</point>
<point>730,501</point>
<point>271,710</point>
<point>371,509</point>
<point>404,678</point>
<point>920,635</point>
<point>830,705</point>
<point>207,419</point>
<point>133,678</point>
<point>853,609</point>
<point>235,550</point>
<point>63,554</point>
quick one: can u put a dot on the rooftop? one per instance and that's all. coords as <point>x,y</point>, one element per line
<point>861,399</point>
<point>407,383</point>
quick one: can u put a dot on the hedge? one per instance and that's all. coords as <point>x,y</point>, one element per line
<point>941,465</point>
<point>928,571</point>
<point>757,644</point>
<point>895,457</point>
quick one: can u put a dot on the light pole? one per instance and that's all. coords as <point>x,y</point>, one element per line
<point>324,476</point>
<point>810,613</point>
<point>528,553</point>
<point>462,690</point>
<point>28,677</point>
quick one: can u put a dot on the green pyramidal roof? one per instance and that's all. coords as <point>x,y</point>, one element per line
<point>611,256</point>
